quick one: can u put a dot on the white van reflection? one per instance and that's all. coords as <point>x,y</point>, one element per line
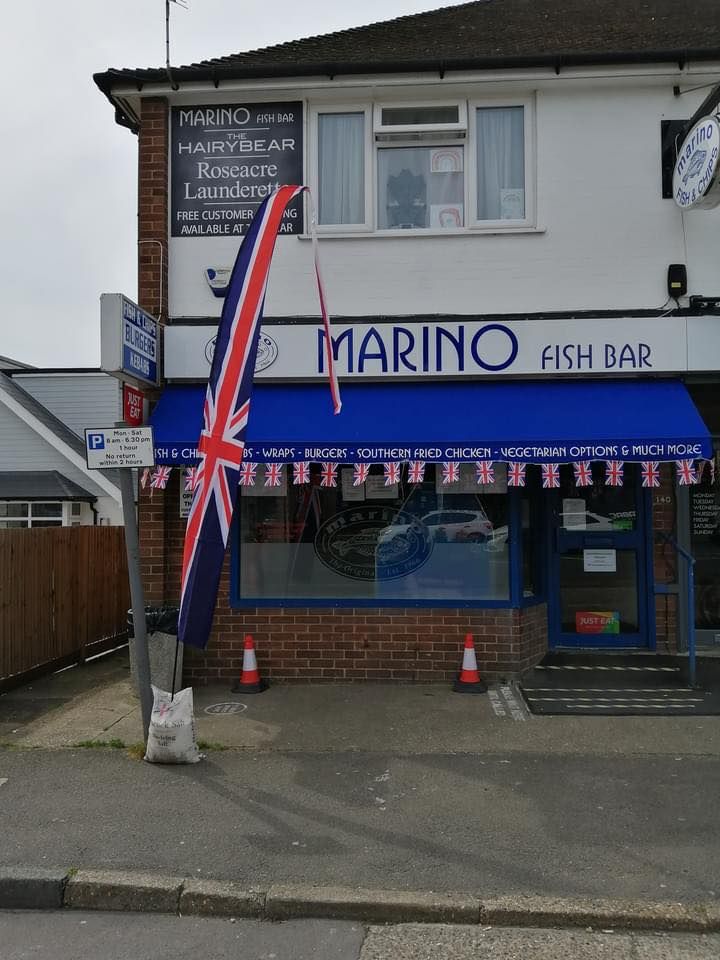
<point>586,520</point>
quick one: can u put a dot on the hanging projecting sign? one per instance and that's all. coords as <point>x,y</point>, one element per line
<point>226,160</point>
<point>128,340</point>
<point>696,180</point>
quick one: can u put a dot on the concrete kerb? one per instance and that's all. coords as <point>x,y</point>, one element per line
<point>25,888</point>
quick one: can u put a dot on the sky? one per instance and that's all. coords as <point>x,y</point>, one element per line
<point>68,180</point>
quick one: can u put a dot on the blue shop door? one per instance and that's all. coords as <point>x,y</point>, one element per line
<point>599,563</point>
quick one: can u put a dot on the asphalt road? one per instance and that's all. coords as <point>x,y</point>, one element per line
<point>89,936</point>
<point>571,825</point>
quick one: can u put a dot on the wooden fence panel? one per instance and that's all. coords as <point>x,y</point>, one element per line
<point>62,589</point>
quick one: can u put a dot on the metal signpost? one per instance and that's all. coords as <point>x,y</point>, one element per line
<point>123,448</point>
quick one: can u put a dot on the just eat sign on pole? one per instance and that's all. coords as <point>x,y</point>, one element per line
<point>132,405</point>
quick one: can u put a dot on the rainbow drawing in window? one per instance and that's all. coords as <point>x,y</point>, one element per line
<point>446,160</point>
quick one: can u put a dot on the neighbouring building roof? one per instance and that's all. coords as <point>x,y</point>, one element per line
<point>479,35</point>
<point>39,417</point>
<point>40,485</point>
<point>7,364</point>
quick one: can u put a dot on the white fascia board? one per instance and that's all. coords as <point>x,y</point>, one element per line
<point>97,477</point>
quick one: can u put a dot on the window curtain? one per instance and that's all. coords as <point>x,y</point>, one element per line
<point>501,163</point>
<point>341,167</point>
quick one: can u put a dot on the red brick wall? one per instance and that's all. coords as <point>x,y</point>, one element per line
<point>153,297</point>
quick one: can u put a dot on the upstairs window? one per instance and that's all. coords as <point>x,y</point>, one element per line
<point>436,167</point>
<point>341,168</point>
<point>500,139</point>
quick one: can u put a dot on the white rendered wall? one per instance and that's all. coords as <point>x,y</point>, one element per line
<point>605,234</point>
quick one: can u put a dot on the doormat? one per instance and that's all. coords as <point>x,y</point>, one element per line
<point>621,685</point>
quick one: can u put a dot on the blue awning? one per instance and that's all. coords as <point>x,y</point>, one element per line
<point>529,421</point>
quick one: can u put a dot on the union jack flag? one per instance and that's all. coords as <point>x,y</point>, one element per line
<point>516,474</point>
<point>416,471</point>
<point>159,478</point>
<point>485,472</point>
<point>613,473</point>
<point>550,475</point>
<point>144,477</point>
<point>701,470</point>
<point>273,474</point>
<point>392,474</point>
<point>686,472</point>
<point>583,474</point>
<point>247,474</point>
<point>226,411</point>
<point>450,472</point>
<point>190,473</point>
<point>301,472</point>
<point>328,475</point>
<point>650,472</point>
<point>360,473</point>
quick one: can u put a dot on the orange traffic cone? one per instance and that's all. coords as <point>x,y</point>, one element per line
<point>250,681</point>
<point>468,680</point>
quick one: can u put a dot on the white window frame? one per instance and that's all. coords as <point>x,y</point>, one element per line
<point>464,134</point>
<point>494,226</point>
<point>26,523</point>
<point>459,128</point>
<point>315,110</point>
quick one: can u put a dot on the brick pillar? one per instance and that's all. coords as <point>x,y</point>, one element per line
<point>153,296</point>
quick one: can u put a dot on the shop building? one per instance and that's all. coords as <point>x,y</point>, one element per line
<point>526,324</point>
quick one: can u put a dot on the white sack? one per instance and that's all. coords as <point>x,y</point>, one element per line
<point>171,737</point>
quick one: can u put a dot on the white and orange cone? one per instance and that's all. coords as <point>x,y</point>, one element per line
<point>250,681</point>
<point>468,680</point>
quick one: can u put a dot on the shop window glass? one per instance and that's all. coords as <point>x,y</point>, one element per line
<point>421,187</point>
<point>500,163</point>
<point>530,527</point>
<point>407,542</point>
<point>705,547</point>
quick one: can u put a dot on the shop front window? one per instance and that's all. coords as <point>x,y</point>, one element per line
<point>705,547</point>
<point>402,542</point>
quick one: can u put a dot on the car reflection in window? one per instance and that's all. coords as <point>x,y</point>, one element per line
<point>444,526</point>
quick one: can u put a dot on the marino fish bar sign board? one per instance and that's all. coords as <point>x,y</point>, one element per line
<point>408,349</point>
<point>225,160</point>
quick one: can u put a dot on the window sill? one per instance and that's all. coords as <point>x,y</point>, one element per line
<point>494,231</point>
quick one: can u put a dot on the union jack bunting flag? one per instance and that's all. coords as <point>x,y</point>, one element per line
<point>583,473</point>
<point>273,474</point>
<point>686,472</point>
<point>392,474</point>
<point>226,410</point>
<point>613,473</point>
<point>450,472</point>
<point>190,479</point>
<point>360,473</point>
<point>650,472</point>
<point>301,472</point>
<point>485,472</point>
<point>516,474</point>
<point>712,470</point>
<point>247,474</point>
<point>159,478</point>
<point>416,471</point>
<point>144,477</point>
<point>550,475</point>
<point>328,475</point>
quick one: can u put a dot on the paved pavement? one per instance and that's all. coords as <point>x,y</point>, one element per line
<point>487,824</point>
<point>381,786</point>
<point>88,936</point>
